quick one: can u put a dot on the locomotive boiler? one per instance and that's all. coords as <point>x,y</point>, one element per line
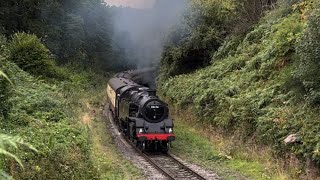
<point>139,113</point>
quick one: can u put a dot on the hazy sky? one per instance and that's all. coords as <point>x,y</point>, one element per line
<point>132,3</point>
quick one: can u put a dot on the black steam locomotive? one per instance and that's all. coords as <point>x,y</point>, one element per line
<point>138,112</point>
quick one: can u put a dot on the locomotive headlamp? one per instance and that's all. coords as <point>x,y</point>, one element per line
<point>170,130</point>
<point>141,130</point>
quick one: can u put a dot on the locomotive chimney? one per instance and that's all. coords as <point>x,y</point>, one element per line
<point>152,92</point>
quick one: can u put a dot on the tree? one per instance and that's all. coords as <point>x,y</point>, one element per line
<point>75,31</point>
<point>192,44</point>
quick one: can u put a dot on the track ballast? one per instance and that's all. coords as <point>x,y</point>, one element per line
<point>167,165</point>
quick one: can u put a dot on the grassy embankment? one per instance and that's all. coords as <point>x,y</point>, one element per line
<point>230,159</point>
<point>51,108</point>
<point>237,111</point>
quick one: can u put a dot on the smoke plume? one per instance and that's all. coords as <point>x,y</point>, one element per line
<point>141,4</point>
<point>140,32</point>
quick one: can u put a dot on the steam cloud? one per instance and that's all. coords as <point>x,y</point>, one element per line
<point>140,32</point>
<point>132,3</point>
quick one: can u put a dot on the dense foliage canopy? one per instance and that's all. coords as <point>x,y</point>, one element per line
<point>74,31</point>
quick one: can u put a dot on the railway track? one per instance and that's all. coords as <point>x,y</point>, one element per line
<point>173,168</point>
<point>166,164</point>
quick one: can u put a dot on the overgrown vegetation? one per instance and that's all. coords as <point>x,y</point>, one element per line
<point>39,115</point>
<point>46,107</point>
<point>248,68</point>
<point>262,86</point>
<point>5,88</point>
<point>308,52</point>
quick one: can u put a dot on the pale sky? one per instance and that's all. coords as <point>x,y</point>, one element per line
<point>132,3</point>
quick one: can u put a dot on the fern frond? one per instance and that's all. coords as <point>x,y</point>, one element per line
<point>5,76</point>
<point>5,176</point>
<point>13,141</point>
<point>7,153</point>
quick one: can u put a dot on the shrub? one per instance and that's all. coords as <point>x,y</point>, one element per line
<point>5,143</point>
<point>31,55</point>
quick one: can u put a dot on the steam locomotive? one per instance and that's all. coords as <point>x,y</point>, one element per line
<point>139,113</point>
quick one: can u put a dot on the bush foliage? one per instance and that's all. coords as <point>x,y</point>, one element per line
<point>31,55</point>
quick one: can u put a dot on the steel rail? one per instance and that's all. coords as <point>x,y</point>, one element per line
<point>148,159</point>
